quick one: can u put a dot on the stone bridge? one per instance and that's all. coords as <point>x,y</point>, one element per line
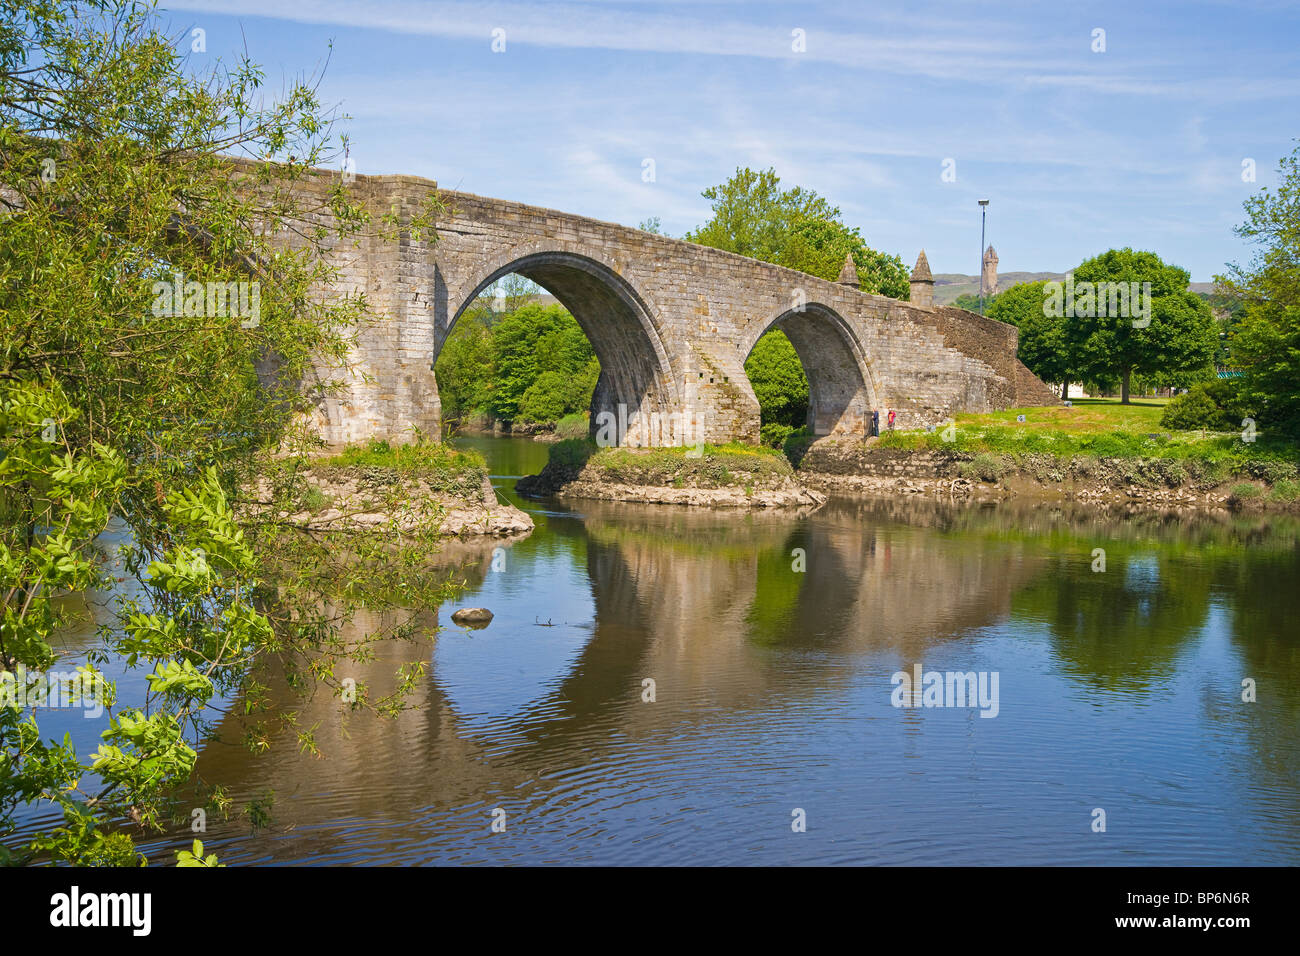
<point>670,321</point>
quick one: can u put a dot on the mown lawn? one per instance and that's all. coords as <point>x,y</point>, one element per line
<point>1086,415</point>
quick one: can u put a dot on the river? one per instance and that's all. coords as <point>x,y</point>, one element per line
<point>770,645</point>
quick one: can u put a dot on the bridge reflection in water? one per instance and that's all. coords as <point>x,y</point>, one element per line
<point>772,690</point>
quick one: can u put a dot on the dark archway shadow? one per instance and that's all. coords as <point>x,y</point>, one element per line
<point>841,394</point>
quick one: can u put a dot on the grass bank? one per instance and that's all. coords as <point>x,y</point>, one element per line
<point>439,467</point>
<point>1096,430</point>
<point>725,476</point>
<point>706,466</point>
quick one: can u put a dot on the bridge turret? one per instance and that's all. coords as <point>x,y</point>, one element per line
<point>848,272</point>
<point>922,283</point>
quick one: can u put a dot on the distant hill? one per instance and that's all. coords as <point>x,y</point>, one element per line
<point>949,285</point>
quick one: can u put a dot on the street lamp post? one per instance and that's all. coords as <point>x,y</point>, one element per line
<point>984,208</point>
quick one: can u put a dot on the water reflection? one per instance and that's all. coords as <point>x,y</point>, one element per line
<point>1119,689</point>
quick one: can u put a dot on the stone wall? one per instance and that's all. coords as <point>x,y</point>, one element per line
<point>853,459</point>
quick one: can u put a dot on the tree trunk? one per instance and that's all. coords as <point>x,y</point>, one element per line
<point>1065,389</point>
<point>1123,392</point>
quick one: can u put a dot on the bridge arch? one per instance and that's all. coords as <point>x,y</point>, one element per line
<point>637,384</point>
<point>842,386</point>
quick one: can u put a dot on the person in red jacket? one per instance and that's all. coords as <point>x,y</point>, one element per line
<point>891,419</point>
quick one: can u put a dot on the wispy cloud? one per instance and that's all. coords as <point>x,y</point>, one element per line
<point>1139,145</point>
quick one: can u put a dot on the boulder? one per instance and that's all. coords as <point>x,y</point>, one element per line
<point>472,616</point>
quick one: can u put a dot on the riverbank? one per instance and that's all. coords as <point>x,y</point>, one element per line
<point>381,488</point>
<point>1170,475</point>
<point>570,426</point>
<point>878,469</point>
<point>731,476</point>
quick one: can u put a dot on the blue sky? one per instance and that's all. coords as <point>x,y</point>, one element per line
<point>1078,151</point>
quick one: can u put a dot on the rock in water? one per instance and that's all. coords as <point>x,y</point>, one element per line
<point>472,616</point>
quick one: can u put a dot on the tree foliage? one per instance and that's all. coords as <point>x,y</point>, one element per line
<point>819,247</point>
<point>531,364</point>
<point>796,228</point>
<point>1044,345</point>
<point>466,367</point>
<point>753,216</point>
<point>1210,405</point>
<point>1266,344</point>
<point>779,382</point>
<point>116,181</point>
<point>1178,343</point>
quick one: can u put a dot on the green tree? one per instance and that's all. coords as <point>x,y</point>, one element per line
<point>779,382</point>
<point>529,342</point>
<point>556,394</point>
<point>1266,344</point>
<point>753,216</point>
<point>1044,346</point>
<point>1267,348</point>
<point>970,301</point>
<point>1178,340</point>
<point>796,228</point>
<point>466,366</point>
<point>819,247</point>
<point>115,183</point>
<point>511,291</point>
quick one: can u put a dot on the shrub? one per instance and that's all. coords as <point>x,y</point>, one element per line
<point>571,454</point>
<point>797,444</point>
<point>988,468</point>
<point>314,500</point>
<point>544,400</point>
<point>1286,490</point>
<point>1203,406</point>
<point>572,426</point>
<point>1271,470</point>
<point>774,434</point>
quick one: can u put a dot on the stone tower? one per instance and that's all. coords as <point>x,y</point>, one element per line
<point>990,272</point>
<point>922,283</point>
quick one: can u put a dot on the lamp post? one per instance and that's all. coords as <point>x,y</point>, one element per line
<point>984,208</point>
